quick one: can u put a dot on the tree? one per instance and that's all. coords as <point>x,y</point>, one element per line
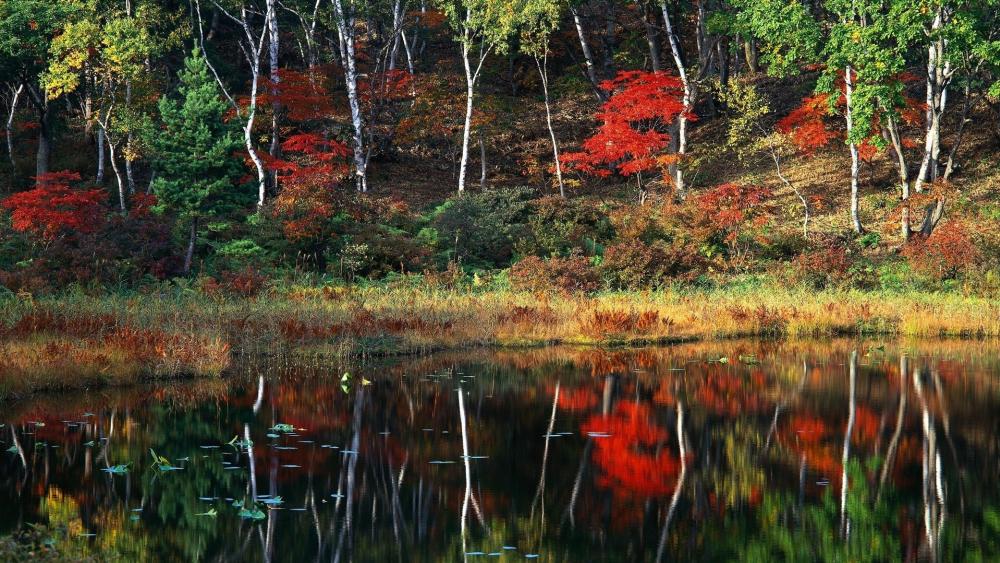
<point>27,28</point>
<point>540,19</point>
<point>488,26</point>
<point>110,50</point>
<point>196,171</point>
<point>633,135</point>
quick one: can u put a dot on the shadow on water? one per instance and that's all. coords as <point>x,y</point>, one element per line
<point>755,451</point>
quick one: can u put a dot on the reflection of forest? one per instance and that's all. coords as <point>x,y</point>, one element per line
<point>573,453</point>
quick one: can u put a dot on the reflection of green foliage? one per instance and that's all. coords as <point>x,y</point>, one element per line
<point>815,534</point>
<point>742,474</point>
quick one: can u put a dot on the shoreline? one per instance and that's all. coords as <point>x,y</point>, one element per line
<point>74,341</point>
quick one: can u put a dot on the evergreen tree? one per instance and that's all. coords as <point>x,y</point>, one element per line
<point>196,170</point>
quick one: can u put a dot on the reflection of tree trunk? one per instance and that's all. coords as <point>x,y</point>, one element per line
<point>946,426</point>
<point>890,455</point>
<point>852,405</point>
<point>540,491</point>
<point>253,462</point>
<point>933,492</point>
<point>260,394</point>
<point>665,532</point>
<point>20,450</point>
<point>352,464</point>
<point>468,470</point>
<point>577,481</point>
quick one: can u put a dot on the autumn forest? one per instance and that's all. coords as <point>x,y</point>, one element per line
<point>734,265</point>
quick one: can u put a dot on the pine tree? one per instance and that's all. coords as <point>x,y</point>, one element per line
<point>196,171</point>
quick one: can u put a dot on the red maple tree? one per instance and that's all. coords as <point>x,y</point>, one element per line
<point>632,136</point>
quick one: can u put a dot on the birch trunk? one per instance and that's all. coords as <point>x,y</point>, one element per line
<point>10,123</point>
<point>689,95</point>
<point>345,27</point>
<point>543,71</point>
<point>855,162</point>
<point>273,48</point>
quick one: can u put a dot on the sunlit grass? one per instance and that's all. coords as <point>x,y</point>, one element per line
<point>118,337</point>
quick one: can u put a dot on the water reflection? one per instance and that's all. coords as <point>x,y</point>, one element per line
<point>755,451</point>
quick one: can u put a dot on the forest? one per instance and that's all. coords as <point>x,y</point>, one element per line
<point>525,144</point>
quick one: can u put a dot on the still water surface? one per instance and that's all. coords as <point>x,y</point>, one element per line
<point>753,451</point>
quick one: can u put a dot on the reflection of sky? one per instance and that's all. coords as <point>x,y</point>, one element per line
<point>764,433</point>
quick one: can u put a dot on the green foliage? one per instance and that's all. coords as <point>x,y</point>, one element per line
<point>480,229</point>
<point>195,165</point>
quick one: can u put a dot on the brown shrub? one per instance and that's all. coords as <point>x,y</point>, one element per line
<point>636,265</point>
<point>570,274</point>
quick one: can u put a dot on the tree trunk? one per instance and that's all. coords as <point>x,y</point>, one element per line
<point>588,56</point>
<point>10,123</point>
<point>482,160</point>
<point>100,154</point>
<point>44,154</point>
<point>939,73</point>
<point>543,71</point>
<point>273,49</point>
<point>652,38</point>
<point>118,176</point>
<point>689,95</point>
<point>189,255</point>
<point>345,25</point>
<point>609,38</point>
<point>855,163</point>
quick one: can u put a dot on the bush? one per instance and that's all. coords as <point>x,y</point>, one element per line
<point>479,229</point>
<point>571,274</point>
<point>557,226</point>
<point>947,253</point>
<point>828,265</point>
<point>637,265</point>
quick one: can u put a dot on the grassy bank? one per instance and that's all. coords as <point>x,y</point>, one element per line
<point>75,340</point>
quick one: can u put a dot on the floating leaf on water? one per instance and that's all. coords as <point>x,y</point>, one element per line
<point>252,513</point>
<point>345,377</point>
<point>211,513</point>
<point>510,548</point>
<point>365,381</point>
<point>276,501</point>
<point>283,427</point>
<point>348,452</point>
<point>162,463</point>
<point>117,469</point>
<point>238,504</point>
<point>13,449</point>
<point>475,553</point>
<point>291,466</point>
<point>134,518</point>
<point>441,461</point>
<point>722,360</point>
<point>272,436</point>
<point>209,447</point>
<point>749,359</point>
<point>86,414</point>
<point>531,556</point>
<point>89,444</point>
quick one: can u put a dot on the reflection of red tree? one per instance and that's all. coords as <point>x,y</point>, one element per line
<point>579,399</point>
<point>723,392</point>
<point>635,459</point>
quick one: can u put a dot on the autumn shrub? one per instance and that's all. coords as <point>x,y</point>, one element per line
<point>636,265</point>
<point>480,229</point>
<point>731,218</point>
<point>573,273</point>
<point>946,253</point>
<point>826,265</point>
<point>375,250</point>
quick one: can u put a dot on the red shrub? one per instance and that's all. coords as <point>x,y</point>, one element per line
<point>53,208</point>
<point>635,265</point>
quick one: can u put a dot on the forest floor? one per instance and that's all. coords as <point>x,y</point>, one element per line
<point>76,341</point>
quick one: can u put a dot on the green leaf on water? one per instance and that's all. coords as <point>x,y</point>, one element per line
<point>345,377</point>
<point>252,513</point>
<point>211,513</point>
<point>89,444</point>
<point>13,449</point>
<point>282,427</point>
<point>117,469</point>
<point>276,501</point>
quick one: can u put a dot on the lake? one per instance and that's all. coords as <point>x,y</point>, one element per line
<point>742,450</point>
